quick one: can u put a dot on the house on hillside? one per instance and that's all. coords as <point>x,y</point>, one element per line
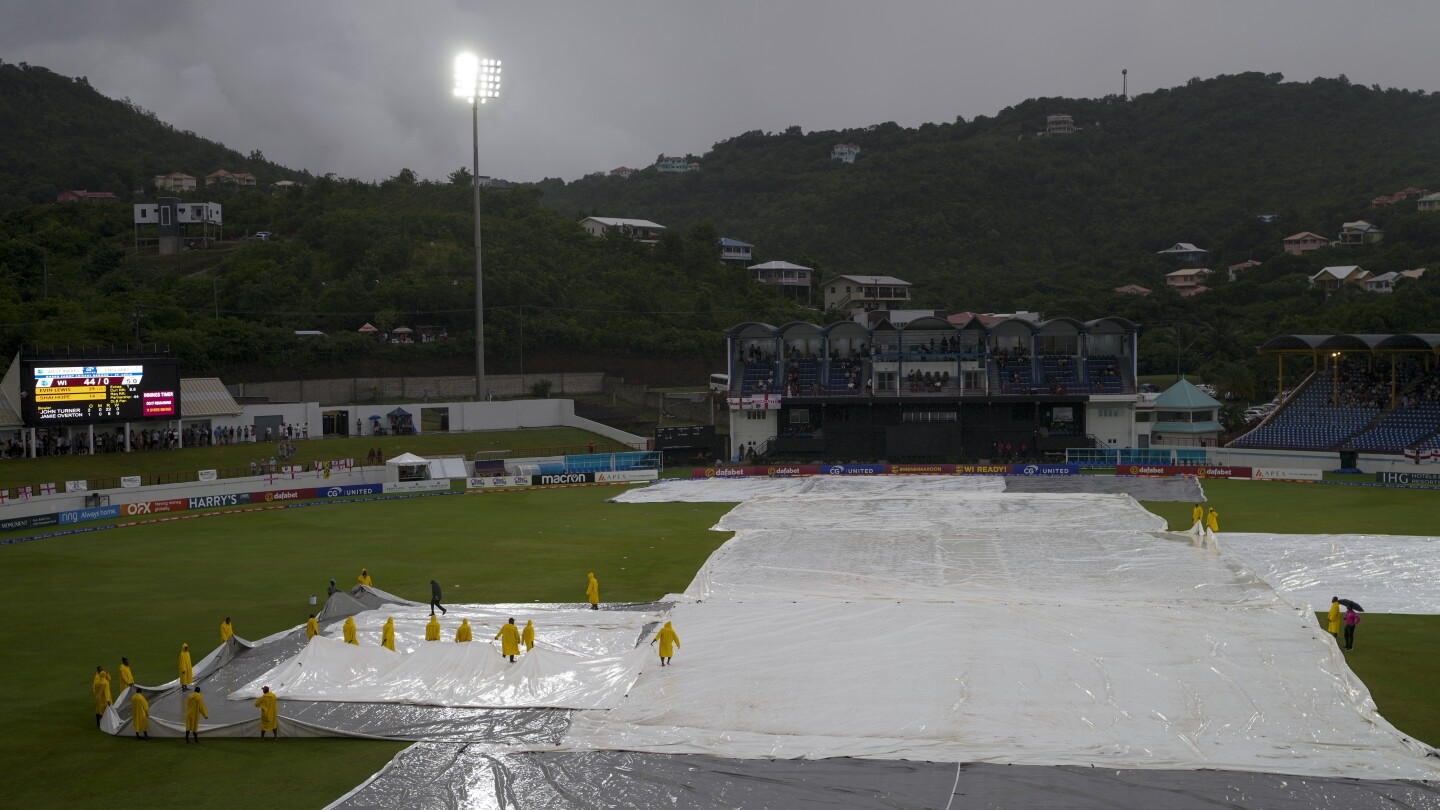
<point>1198,289</point>
<point>1184,279</point>
<point>1331,279</point>
<point>622,172</point>
<point>641,230</point>
<point>1430,202</point>
<point>1132,289</point>
<point>86,196</point>
<point>1360,232</point>
<point>845,152</point>
<point>984,318</point>
<point>1236,269</point>
<point>1185,416</point>
<point>286,185</point>
<point>1303,242</point>
<point>794,278</point>
<point>1385,282</point>
<point>175,181</point>
<point>675,164</point>
<point>733,250</point>
<point>1060,124</point>
<point>1185,253</point>
<point>225,178</point>
<point>865,293</point>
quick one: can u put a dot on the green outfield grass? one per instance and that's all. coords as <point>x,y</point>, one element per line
<point>1269,506</point>
<point>83,600</point>
<point>88,599</point>
<point>32,472</point>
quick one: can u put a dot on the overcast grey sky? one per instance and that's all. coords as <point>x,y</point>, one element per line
<point>362,87</point>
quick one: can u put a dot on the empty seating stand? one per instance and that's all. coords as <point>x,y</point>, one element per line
<point>1399,429</point>
<point>1310,422</point>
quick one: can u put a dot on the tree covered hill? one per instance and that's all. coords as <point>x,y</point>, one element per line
<point>986,215</point>
<point>980,215</point>
<point>59,133</point>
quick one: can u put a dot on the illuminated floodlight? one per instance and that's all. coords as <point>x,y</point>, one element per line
<point>476,79</point>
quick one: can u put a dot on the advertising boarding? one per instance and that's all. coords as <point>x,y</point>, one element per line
<point>1164,471</point>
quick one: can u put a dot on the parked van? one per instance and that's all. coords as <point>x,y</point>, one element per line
<point>720,383</point>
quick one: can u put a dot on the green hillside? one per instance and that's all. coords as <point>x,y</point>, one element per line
<point>58,133</point>
<point>980,215</point>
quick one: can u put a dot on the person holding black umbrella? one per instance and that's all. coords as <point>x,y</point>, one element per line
<point>1352,618</point>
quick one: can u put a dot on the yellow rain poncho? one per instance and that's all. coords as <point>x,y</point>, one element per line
<point>127,678</point>
<point>226,631</point>
<point>432,629</point>
<point>592,590</point>
<point>528,636</point>
<point>269,706</point>
<point>463,632</point>
<point>194,709</point>
<point>1334,618</point>
<point>364,578</point>
<point>509,636</point>
<point>349,631</point>
<point>1197,514</point>
<point>669,640</point>
<point>140,713</point>
<point>312,628</point>
<point>100,688</point>
<point>1212,520</point>
<point>186,675</point>
<point>387,635</point>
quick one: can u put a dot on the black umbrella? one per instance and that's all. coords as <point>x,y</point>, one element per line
<point>1352,605</point>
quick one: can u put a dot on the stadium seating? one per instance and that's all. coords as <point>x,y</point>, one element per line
<point>1399,429</point>
<point>1310,422</point>
<point>1103,374</point>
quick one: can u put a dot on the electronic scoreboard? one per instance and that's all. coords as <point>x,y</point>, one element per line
<point>63,392</point>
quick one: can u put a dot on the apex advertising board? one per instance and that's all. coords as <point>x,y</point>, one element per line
<point>62,392</point>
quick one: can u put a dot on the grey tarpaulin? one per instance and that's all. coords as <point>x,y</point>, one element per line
<point>1183,489</point>
<point>456,776</point>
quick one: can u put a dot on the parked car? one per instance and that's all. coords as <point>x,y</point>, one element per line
<point>261,236</point>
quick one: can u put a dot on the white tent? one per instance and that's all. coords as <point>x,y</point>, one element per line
<point>407,467</point>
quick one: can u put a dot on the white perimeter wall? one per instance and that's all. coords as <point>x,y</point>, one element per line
<point>464,416</point>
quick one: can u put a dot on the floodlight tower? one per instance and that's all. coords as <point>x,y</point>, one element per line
<point>477,81</point>
<point>1124,84</point>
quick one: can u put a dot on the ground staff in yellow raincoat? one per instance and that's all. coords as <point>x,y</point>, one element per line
<point>100,689</point>
<point>387,635</point>
<point>186,675</point>
<point>432,629</point>
<point>463,633</point>
<point>226,630</point>
<point>269,706</point>
<point>592,592</point>
<point>349,631</point>
<point>127,678</point>
<point>669,640</point>
<point>1335,616</point>
<point>527,636</point>
<point>1213,520</point>
<point>364,578</point>
<point>194,708</point>
<point>509,636</point>
<point>1197,515</point>
<point>312,627</point>
<point>140,714</point>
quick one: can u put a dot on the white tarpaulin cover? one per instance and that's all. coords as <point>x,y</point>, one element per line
<point>1384,573</point>
<point>442,673</point>
<point>582,659</point>
<point>738,490</point>
<point>994,627</point>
